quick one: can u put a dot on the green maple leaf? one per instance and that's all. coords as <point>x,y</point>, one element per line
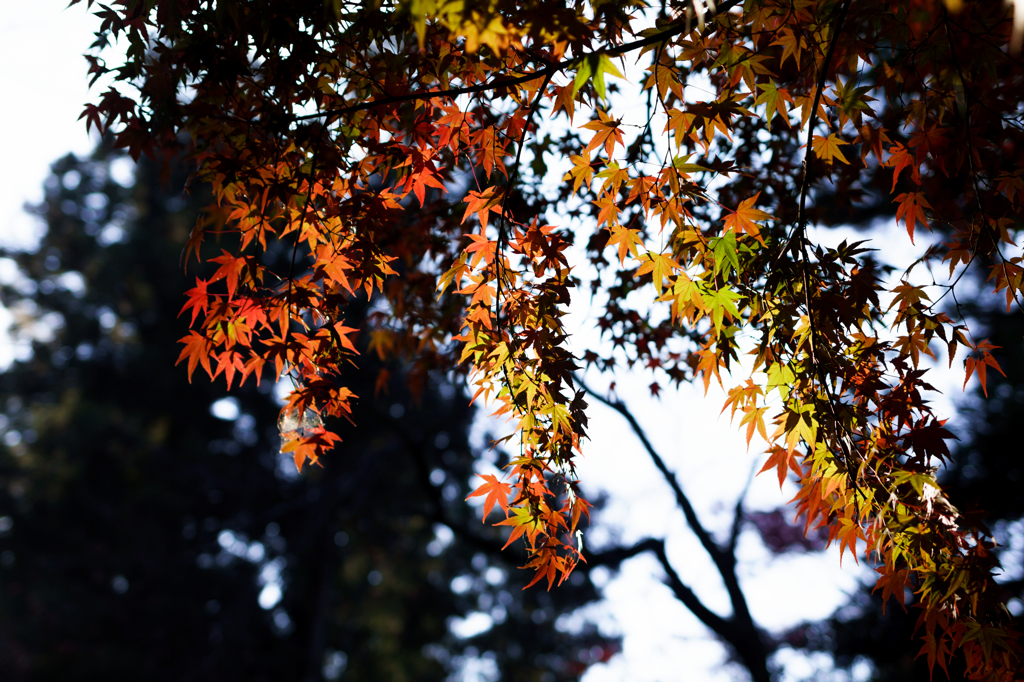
<point>594,67</point>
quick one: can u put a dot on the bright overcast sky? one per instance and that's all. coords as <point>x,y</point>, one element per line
<point>43,77</point>
<point>44,81</point>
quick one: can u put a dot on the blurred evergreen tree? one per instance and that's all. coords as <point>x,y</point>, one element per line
<point>150,530</point>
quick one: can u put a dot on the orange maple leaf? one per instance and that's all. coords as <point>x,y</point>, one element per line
<point>198,300</point>
<point>483,204</point>
<point>742,219</point>
<point>910,210</point>
<point>783,461</point>
<point>230,270</point>
<point>197,351</point>
<point>496,491</point>
<point>607,133</point>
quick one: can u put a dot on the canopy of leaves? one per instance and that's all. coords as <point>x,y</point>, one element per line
<point>983,479</point>
<point>379,146</point>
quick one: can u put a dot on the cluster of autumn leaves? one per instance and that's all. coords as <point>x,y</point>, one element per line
<point>337,150</point>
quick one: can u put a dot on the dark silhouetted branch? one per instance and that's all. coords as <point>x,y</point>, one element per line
<point>612,558</point>
<point>739,631</point>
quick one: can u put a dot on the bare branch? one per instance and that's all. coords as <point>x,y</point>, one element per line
<point>612,558</point>
<point>738,514</point>
<point>682,500</point>
<point>720,626</point>
<point>739,630</point>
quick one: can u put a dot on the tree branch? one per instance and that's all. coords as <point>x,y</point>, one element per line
<point>612,558</point>
<point>547,72</point>
<point>682,500</point>
<point>805,181</point>
<point>737,519</point>
<point>740,634</point>
<point>741,631</point>
<point>720,626</point>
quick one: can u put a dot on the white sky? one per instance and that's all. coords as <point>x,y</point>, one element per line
<point>43,76</point>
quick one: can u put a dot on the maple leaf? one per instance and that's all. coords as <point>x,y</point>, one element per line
<point>342,336</point>
<point>482,248</point>
<point>523,522</point>
<point>910,210</point>
<point>708,365</point>
<point>196,351</point>
<point>627,240</point>
<point>783,461</point>
<point>253,366</point>
<point>582,170</point>
<point>982,364</point>
<point>661,266</point>
<point>720,303</point>
<point>682,125</point>
<point>913,344</point>
<point>849,532</point>
<point>335,266</point>
<point>742,219</point>
<point>907,296</point>
<point>793,46</point>
<point>452,128</point>
<point>774,100</point>
<point>228,362</point>
<point>496,492</point>
<point>871,139</point>
<point>565,100</point>
<point>92,116</point>
<point>936,649</point>
<point>607,133</point>
<point>798,423</point>
<point>195,241</point>
<point>614,177</point>
<point>609,210</point>
<point>231,268</point>
<point>900,158</point>
<point>664,78</point>
<point>594,67</point>
<point>754,418</point>
<point>892,583</point>
<point>483,204</point>
<point>726,251</point>
<point>686,297</point>
<point>454,275</point>
<point>198,300</point>
<point>827,148</point>
<point>425,177</point>
<point>310,446</point>
<point>852,99</point>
